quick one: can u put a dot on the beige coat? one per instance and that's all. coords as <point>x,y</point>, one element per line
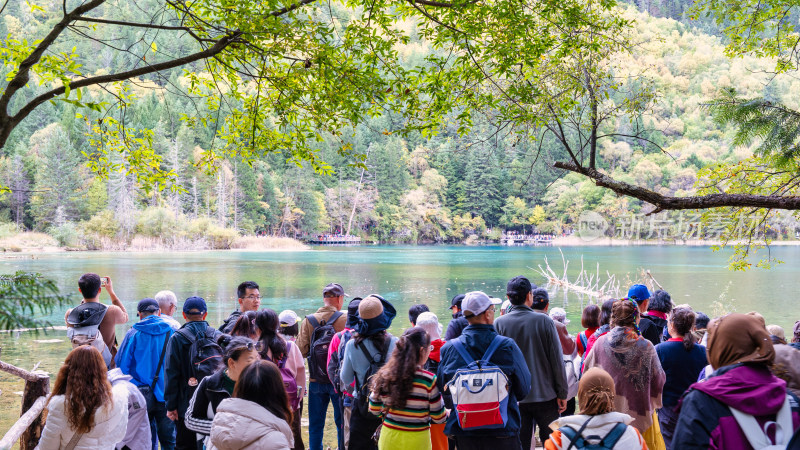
<point>787,366</point>
<point>110,424</point>
<point>244,425</point>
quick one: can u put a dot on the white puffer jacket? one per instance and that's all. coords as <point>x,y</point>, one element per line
<point>110,424</point>
<point>600,426</point>
<point>245,425</point>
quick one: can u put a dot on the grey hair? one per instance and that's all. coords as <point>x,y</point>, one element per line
<point>166,299</point>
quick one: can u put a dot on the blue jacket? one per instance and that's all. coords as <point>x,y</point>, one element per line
<point>140,350</point>
<point>508,358</point>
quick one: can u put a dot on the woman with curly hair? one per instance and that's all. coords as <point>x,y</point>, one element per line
<point>84,412</point>
<point>405,395</point>
<point>632,362</point>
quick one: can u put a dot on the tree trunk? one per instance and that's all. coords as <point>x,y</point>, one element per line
<point>33,390</point>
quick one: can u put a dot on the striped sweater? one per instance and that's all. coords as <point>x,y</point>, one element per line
<point>424,405</point>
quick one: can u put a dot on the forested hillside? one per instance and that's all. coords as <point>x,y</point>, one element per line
<point>442,187</point>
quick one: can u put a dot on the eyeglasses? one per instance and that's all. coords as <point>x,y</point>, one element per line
<point>253,297</point>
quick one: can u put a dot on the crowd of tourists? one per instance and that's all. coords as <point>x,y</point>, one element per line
<point>643,374</point>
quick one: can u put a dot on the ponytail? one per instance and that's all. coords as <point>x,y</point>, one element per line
<point>682,320</point>
<point>269,341</point>
<point>688,341</point>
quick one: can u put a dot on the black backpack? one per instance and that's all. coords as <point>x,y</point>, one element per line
<point>578,441</point>
<point>205,354</point>
<point>320,341</point>
<point>375,363</point>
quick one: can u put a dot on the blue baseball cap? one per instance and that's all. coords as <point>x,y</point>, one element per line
<point>194,305</point>
<point>638,293</point>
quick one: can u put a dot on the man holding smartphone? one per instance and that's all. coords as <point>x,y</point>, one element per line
<point>90,286</point>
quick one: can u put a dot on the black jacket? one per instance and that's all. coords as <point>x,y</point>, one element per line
<point>650,329</point>
<point>230,322</point>
<point>456,327</point>
<point>210,392</point>
<point>178,363</point>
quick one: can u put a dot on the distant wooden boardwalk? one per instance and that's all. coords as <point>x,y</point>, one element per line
<point>527,239</point>
<point>334,239</point>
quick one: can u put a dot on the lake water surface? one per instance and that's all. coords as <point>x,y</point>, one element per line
<point>404,276</point>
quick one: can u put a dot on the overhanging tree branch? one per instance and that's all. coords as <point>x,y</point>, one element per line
<point>664,202</point>
<point>23,74</point>
<point>9,124</point>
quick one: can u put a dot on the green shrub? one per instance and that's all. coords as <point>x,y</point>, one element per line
<point>66,235</point>
<point>157,222</point>
<point>221,238</point>
<point>9,229</point>
<point>218,237</point>
<point>102,224</point>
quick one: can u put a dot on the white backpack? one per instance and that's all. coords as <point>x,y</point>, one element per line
<point>573,371</point>
<point>757,436</point>
<point>479,390</point>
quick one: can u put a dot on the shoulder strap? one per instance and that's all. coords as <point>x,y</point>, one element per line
<point>462,350</point>
<point>492,347</point>
<point>74,441</point>
<point>755,434</point>
<point>187,334</point>
<point>370,360</point>
<point>572,435</point>
<point>333,318</point>
<point>576,436</point>
<point>312,320</point>
<point>160,362</point>
<point>613,436</point>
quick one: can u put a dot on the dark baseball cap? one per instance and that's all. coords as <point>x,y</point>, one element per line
<point>540,296</point>
<point>456,301</point>
<point>194,305</point>
<point>334,289</point>
<point>519,285</point>
<point>147,305</point>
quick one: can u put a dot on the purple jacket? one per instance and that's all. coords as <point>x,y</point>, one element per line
<point>705,421</point>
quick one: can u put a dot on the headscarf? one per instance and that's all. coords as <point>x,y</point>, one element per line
<point>596,392</point>
<point>738,338</point>
<point>796,332</point>
<point>375,315</point>
<point>430,323</point>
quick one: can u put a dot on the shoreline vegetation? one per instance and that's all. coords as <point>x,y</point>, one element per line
<point>26,243</point>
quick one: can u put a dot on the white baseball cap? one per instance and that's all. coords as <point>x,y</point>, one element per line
<point>288,318</point>
<point>477,302</point>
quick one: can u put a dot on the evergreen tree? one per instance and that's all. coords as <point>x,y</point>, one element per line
<point>388,169</point>
<point>483,186</point>
<point>59,178</point>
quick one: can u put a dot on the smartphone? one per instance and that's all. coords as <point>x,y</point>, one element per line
<point>104,281</point>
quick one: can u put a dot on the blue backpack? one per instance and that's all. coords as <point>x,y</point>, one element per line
<point>578,441</point>
<point>480,390</point>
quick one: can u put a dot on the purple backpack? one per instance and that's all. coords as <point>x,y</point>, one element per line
<point>289,383</point>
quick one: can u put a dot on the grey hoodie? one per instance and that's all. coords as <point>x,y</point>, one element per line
<point>137,437</point>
